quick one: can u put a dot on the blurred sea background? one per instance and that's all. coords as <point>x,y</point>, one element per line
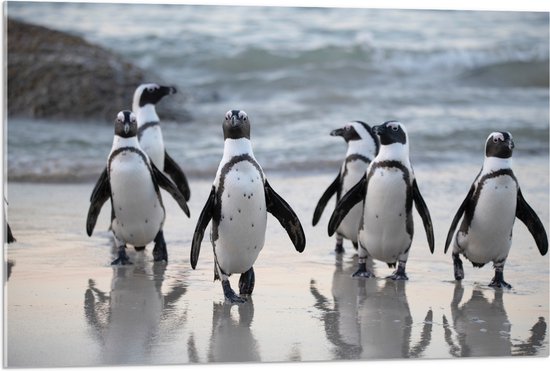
<point>452,77</point>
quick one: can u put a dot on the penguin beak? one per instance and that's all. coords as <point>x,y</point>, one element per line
<point>126,128</point>
<point>235,121</point>
<point>337,132</point>
<point>511,144</point>
<point>167,90</point>
<point>378,130</point>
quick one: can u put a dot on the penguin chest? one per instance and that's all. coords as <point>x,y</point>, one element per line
<point>353,172</point>
<point>386,231</point>
<point>152,143</point>
<point>240,234</point>
<point>489,236</point>
<point>138,210</point>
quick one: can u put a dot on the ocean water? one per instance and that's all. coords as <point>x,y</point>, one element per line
<point>452,77</point>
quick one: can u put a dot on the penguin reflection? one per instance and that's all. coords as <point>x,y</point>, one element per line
<point>368,321</point>
<point>483,329</point>
<point>126,322</point>
<point>232,339</point>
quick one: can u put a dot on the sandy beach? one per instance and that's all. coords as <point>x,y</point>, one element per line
<point>63,295</point>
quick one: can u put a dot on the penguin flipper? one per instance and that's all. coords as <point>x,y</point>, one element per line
<point>10,237</point>
<point>331,190</point>
<point>169,187</point>
<point>457,217</point>
<point>424,214</point>
<point>527,215</point>
<point>100,194</point>
<point>281,210</point>
<point>355,195</point>
<point>206,215</point>
<point>176,173</point>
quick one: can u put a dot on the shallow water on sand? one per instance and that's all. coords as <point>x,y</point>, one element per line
<point>63,294</point>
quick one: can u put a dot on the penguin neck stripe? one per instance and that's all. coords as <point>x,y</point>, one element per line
<point>357,156</point>
<point>469,212</point>
<point>231,163</point>
<point>227,167</point>
<point>389,164</point>
<point>354,157</point>
<point>146,126</point>
<point>117,151</point>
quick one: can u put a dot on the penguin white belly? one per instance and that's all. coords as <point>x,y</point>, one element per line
<point>384,233</point>
<point>138,211</point>
<point>243,220</point>
<point>489,237</point>
<point>350,224</point>
<point>152,143</point>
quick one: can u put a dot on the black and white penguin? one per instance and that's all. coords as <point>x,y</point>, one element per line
<point>238,205</point>
<point>363,146</point>
<point>387,191</point>
<point>488,213</point>
<point>150,137</point>
<point>131,181</point>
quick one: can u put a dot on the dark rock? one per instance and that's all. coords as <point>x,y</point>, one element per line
<point>55,75</point>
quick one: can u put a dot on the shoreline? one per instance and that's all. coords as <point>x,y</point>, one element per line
<point>63,288</point>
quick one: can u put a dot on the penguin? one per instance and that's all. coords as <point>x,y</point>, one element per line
<point>131,181</point>
<point>239,201</point>
<point>150,138</point>
<point>363,146</point>
<point>488,213</point>
<point>387,190</point>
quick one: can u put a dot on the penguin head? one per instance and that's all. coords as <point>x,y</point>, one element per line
<point>126,124</point>
<point>150,94</point>
<point>236,125</point>
<point>391,132</point>
<point>499,144</point>
<point>358,131</point>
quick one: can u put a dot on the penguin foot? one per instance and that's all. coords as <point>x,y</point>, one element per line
<point>160,252</point>
<point>339,249</point>
<point>246,282</point>
<point>139,248</point>
<point>363,272</point>
<point>123,258</point>
<point>230,295</point>
<point>498,281</point>
<point>458,269</point>
<point>398,276</point>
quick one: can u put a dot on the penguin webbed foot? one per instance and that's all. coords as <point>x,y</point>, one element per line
<point>230,295</point>
<point>160,252</point>
<point>246,282</point>
<point>123,258</point>
<point>458,268</point>
<point>498,281</point>
<point>363,272</point>
<point>399,274</point>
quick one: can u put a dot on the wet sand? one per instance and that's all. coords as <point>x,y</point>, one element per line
<point>63,296</point>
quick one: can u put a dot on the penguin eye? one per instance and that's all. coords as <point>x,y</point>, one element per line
<point>495,140</point>
<point>394,127</point>
<point>243,116</point>
<point>150,89</point>
<point>228,115</point>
